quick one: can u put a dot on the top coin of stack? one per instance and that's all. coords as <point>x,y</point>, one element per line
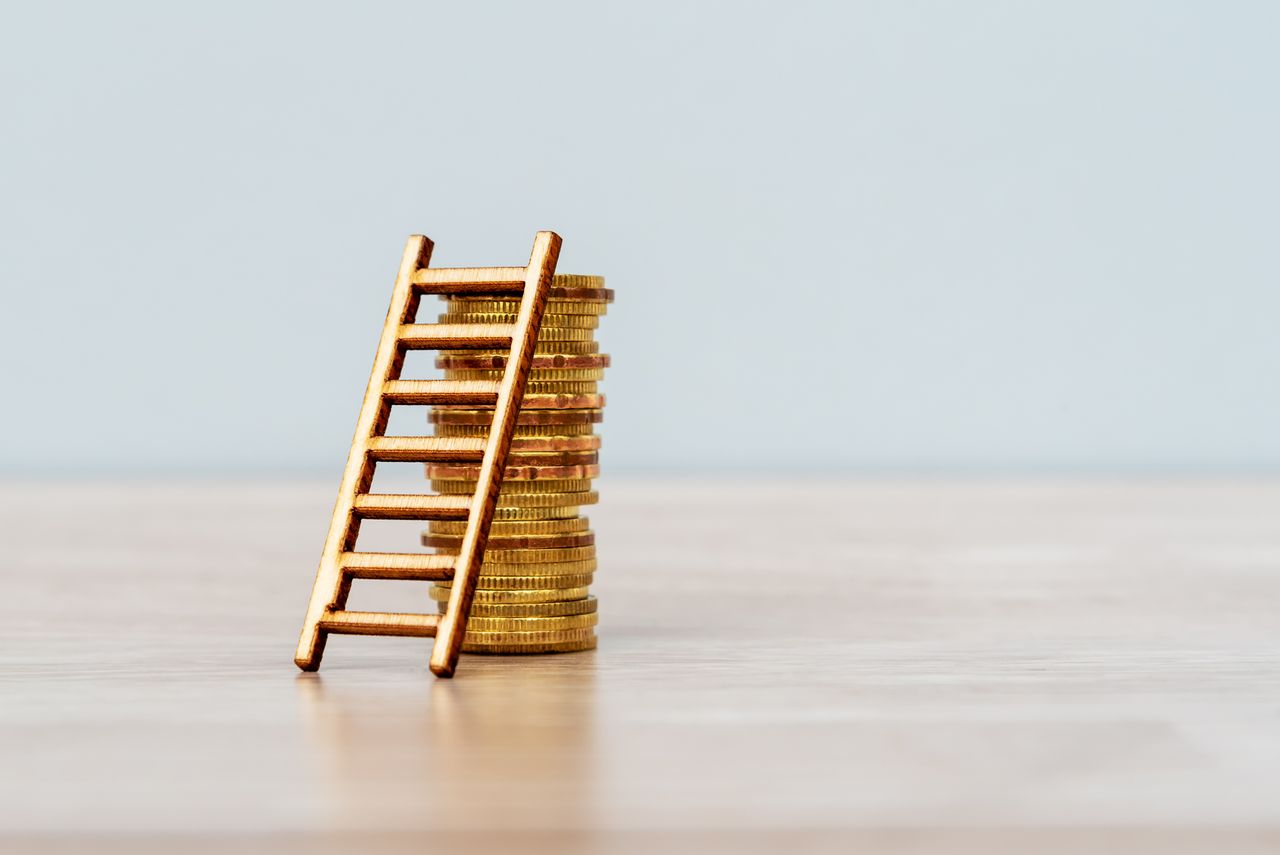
<point>532,595</point>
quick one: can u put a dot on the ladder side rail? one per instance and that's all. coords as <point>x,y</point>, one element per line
<point>331,585</point>
<point>537,288</point>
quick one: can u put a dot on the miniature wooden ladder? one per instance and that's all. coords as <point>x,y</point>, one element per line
<point>339,563</point>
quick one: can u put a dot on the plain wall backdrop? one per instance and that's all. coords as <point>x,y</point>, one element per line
<point>887,236</point>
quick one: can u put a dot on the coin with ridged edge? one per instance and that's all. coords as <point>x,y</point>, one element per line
<point>483,649</point>
<point>554,512</point>
<point>567,557</point>
<point>497,570</point>
<point>533,637</point>
<point>578,280</point>
<point>554,387</point>
<point>513,529</point>
<point>461,305</point>
<point>525,417</point>
<point>528,583</point>
<point>467,486</point>
<point>556,323</point>
<point>453,542</point>
<point>586,605</point>
<point>528,596</point>
<point>541,348</point>
<point>532,436</point>
<point>479,624</point>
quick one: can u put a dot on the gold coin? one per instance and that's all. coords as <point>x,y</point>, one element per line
<point>576,280</point>
<point>568,502</point>
<point>548,375</point>
<point>531,637</point>
<point>553,512</point>
<point>549,321</point>
<point>540,555</point>
<point>568,558</point>
<point>496,569</point>
<point>538,435</point>
<point>532,528</point>
<point>453,542</point>
<point>528,596</point>
<point>550,623</point>
<point>546,334</point>
<point>541,418</point>
<point>511,489</point>
<point>542,347</point>
<point>517,472</point>
<point>529,649</point>
<point>586,605</point>
<point>551,387</point>
<point>466,305</point>
<point>529,583</point>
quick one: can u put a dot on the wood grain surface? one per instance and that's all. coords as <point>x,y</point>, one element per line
<point>808,665</point>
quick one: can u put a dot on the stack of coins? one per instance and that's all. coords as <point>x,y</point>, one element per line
<point>532,596</point>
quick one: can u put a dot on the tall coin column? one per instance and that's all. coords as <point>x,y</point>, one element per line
<point>533,594</point>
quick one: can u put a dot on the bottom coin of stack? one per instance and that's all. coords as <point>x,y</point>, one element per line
<point>532,595</point>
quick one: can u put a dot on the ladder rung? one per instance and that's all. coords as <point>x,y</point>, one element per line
<point>455,336</point>
<point>397,565</point>
<point>473,280</point>
<point>425,449</point>
<point>380,623</point>
<point>393,506</point>
<point>480,392</point>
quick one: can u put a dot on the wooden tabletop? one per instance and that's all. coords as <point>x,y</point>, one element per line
<point>808,665</point>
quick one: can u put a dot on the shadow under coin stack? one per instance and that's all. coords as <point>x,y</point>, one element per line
<point>532,596</point>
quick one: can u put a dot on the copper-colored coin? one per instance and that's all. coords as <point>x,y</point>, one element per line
<point>572,450</point>
<point>534,528</point>
<point>541,541</point>
<point>544,362</point>
<point>543,402</point>
<point>528,596</point>
<point>442,416</point>
<point>485,649</point>
<point>516,473</point>
<point>553,458</point>
<point>584,606</point>
<point>541,348</point>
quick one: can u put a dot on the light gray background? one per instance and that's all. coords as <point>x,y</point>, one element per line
<point>891,236</point>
